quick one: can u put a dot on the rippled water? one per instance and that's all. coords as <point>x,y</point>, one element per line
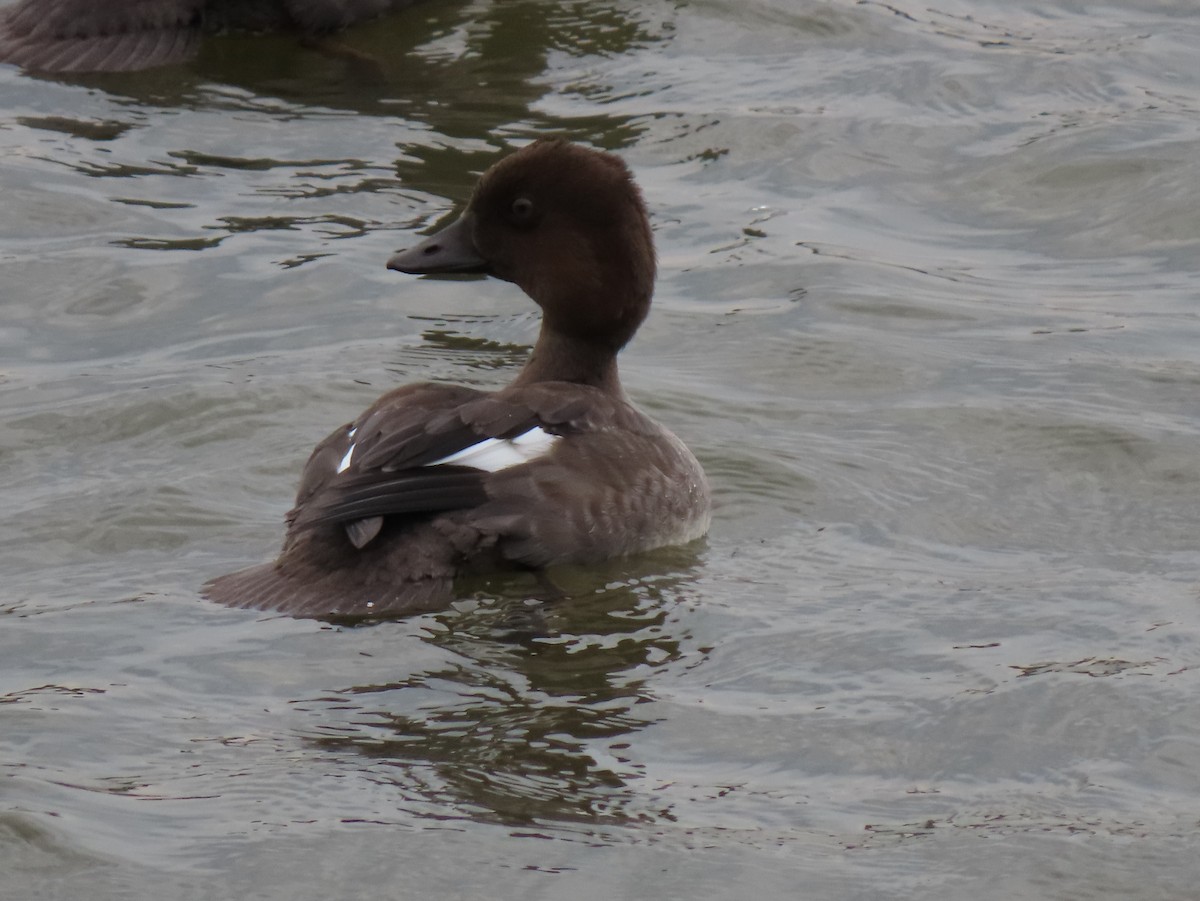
<point>927,313</point>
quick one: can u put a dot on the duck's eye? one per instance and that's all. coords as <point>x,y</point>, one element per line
<point>521,211</point>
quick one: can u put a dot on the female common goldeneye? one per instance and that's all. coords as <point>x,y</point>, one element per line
<point>435,480</point>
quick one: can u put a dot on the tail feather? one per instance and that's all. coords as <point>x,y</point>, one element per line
<point>409,567</point>
<point>268,587</point>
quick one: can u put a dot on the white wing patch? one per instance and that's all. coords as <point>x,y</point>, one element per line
<point>495,454</point>
<point>345,464</point>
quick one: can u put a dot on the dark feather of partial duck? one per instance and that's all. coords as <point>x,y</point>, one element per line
<point>128,35</point>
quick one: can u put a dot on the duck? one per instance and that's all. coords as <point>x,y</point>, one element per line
<point>435,481</point>
<point>128,35</point>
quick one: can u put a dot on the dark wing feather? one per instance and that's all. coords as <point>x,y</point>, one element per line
<point>389,472</point>
<point>412,491</point>
<point>392,439</point>
<point>392,445</point>
<point>410,426</point>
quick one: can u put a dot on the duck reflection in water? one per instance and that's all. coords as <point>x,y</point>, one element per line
<point>525,725</point>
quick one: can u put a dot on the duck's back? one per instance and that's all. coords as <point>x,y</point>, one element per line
<point>436,480</point>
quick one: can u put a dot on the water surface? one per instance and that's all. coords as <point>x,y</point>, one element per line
<point>927,312</point>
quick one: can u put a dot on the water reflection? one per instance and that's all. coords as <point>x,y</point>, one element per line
<point>451,82</point>
<point>531,718</point>
<point>461,68</point>
<point>472,352</point>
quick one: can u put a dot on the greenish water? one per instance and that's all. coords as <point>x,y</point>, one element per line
<point>927,313</point>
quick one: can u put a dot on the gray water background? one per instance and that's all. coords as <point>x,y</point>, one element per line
<point>927,313</point>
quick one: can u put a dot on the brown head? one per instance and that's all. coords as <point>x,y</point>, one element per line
<point>565,223</point>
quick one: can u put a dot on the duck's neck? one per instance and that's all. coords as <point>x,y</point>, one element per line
<point>563,358</point>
